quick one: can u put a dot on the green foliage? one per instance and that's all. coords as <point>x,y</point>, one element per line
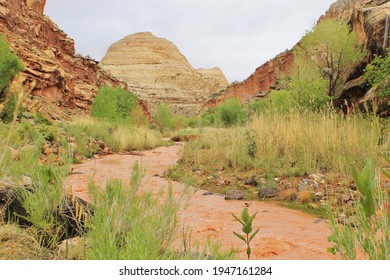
<point>280,101</point>
<point>377,74</point>
<point>307,87</point>
<point>365,182</point>
<point>369,235</point>
<point>164,118</point>
<point>332,48</point>
<point>113,104</point>
<point>230,113</point>
<point>130,225</point>
<point>246,222</point>
<point>10,65</point>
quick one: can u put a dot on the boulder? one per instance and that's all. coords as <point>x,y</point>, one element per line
<point>234,195</point>
<point>267,193</point>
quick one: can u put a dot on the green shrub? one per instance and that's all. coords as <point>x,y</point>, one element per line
<point>164,118</point>
<point>368,236</point>
<point>113,104</point>
<point>10,65</point>
<point>230,113</point>
<point>377,73</point>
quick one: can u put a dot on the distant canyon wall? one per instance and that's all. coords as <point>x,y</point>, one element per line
<point>366,17</point>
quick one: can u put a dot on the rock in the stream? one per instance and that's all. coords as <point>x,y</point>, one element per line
<point>234,195</point>
<point>267,193</point>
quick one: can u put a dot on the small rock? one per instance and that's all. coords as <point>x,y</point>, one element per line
<point>345,197</point>
<point>303,187</point>
<point>306,181</point>
<point>318,221</point>
<point>207,193</point>
<point>318,196</point>
<point>341,219</point>
<point>234,195</point>
<point>277,180</point>
<point>314,206</point>
<point>267,193</point>
<point>293,197</point>
<point>353,187</point>
<point>48,151</point>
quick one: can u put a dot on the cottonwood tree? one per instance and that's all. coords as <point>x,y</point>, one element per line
<point>332,48</point>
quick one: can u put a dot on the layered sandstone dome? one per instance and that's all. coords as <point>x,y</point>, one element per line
<point>155,70</point>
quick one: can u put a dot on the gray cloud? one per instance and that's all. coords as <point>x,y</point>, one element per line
<point>236,36</point>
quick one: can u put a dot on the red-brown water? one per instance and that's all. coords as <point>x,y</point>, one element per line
<point>284,233</point>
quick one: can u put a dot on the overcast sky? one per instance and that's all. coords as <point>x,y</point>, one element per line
<point>235,35</point>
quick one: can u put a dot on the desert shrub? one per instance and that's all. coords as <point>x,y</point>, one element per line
<point>164,118</point>
<point>113,104</point>
<point>229,113</point>
<point>10,65</point>
<point>131,224</point>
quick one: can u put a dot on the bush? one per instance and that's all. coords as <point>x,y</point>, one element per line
<point>377,73</point>
<point>10,65</point>
<point>164,118</point>
<point>113,104</point>
<point>279,101</point>
<point>230,113</point>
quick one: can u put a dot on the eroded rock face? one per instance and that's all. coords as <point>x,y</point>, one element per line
<point>36,5</point>
<point>58,82</point>
<point>257,84</point>
<point>155,70</point>
<point>366,17</point>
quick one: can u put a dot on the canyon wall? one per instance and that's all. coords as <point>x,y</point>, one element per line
<point>58,82</point>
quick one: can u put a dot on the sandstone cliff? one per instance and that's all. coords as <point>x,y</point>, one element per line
<point>155,70</point>
<point>58,82</point>
<point>366,18</point>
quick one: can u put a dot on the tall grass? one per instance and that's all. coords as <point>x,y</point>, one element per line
<point>119,137</point>
<point>292,144</point>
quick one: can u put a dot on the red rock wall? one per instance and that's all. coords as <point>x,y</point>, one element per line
<point>58,82</point>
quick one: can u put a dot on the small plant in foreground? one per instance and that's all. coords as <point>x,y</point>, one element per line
<point>246,221</point>
<point>368,235</point>
<point>365,183</point>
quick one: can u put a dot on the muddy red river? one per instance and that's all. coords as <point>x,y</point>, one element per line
<point>284,233</point>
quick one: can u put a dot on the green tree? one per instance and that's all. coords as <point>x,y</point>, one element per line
<point>113,104</point>
<point>307,86</point>
<point>377,74</point>
<point>332,48</point>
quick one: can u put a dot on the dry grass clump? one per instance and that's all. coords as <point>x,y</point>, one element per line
<point>19,244</point>
<point>304,197</point>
